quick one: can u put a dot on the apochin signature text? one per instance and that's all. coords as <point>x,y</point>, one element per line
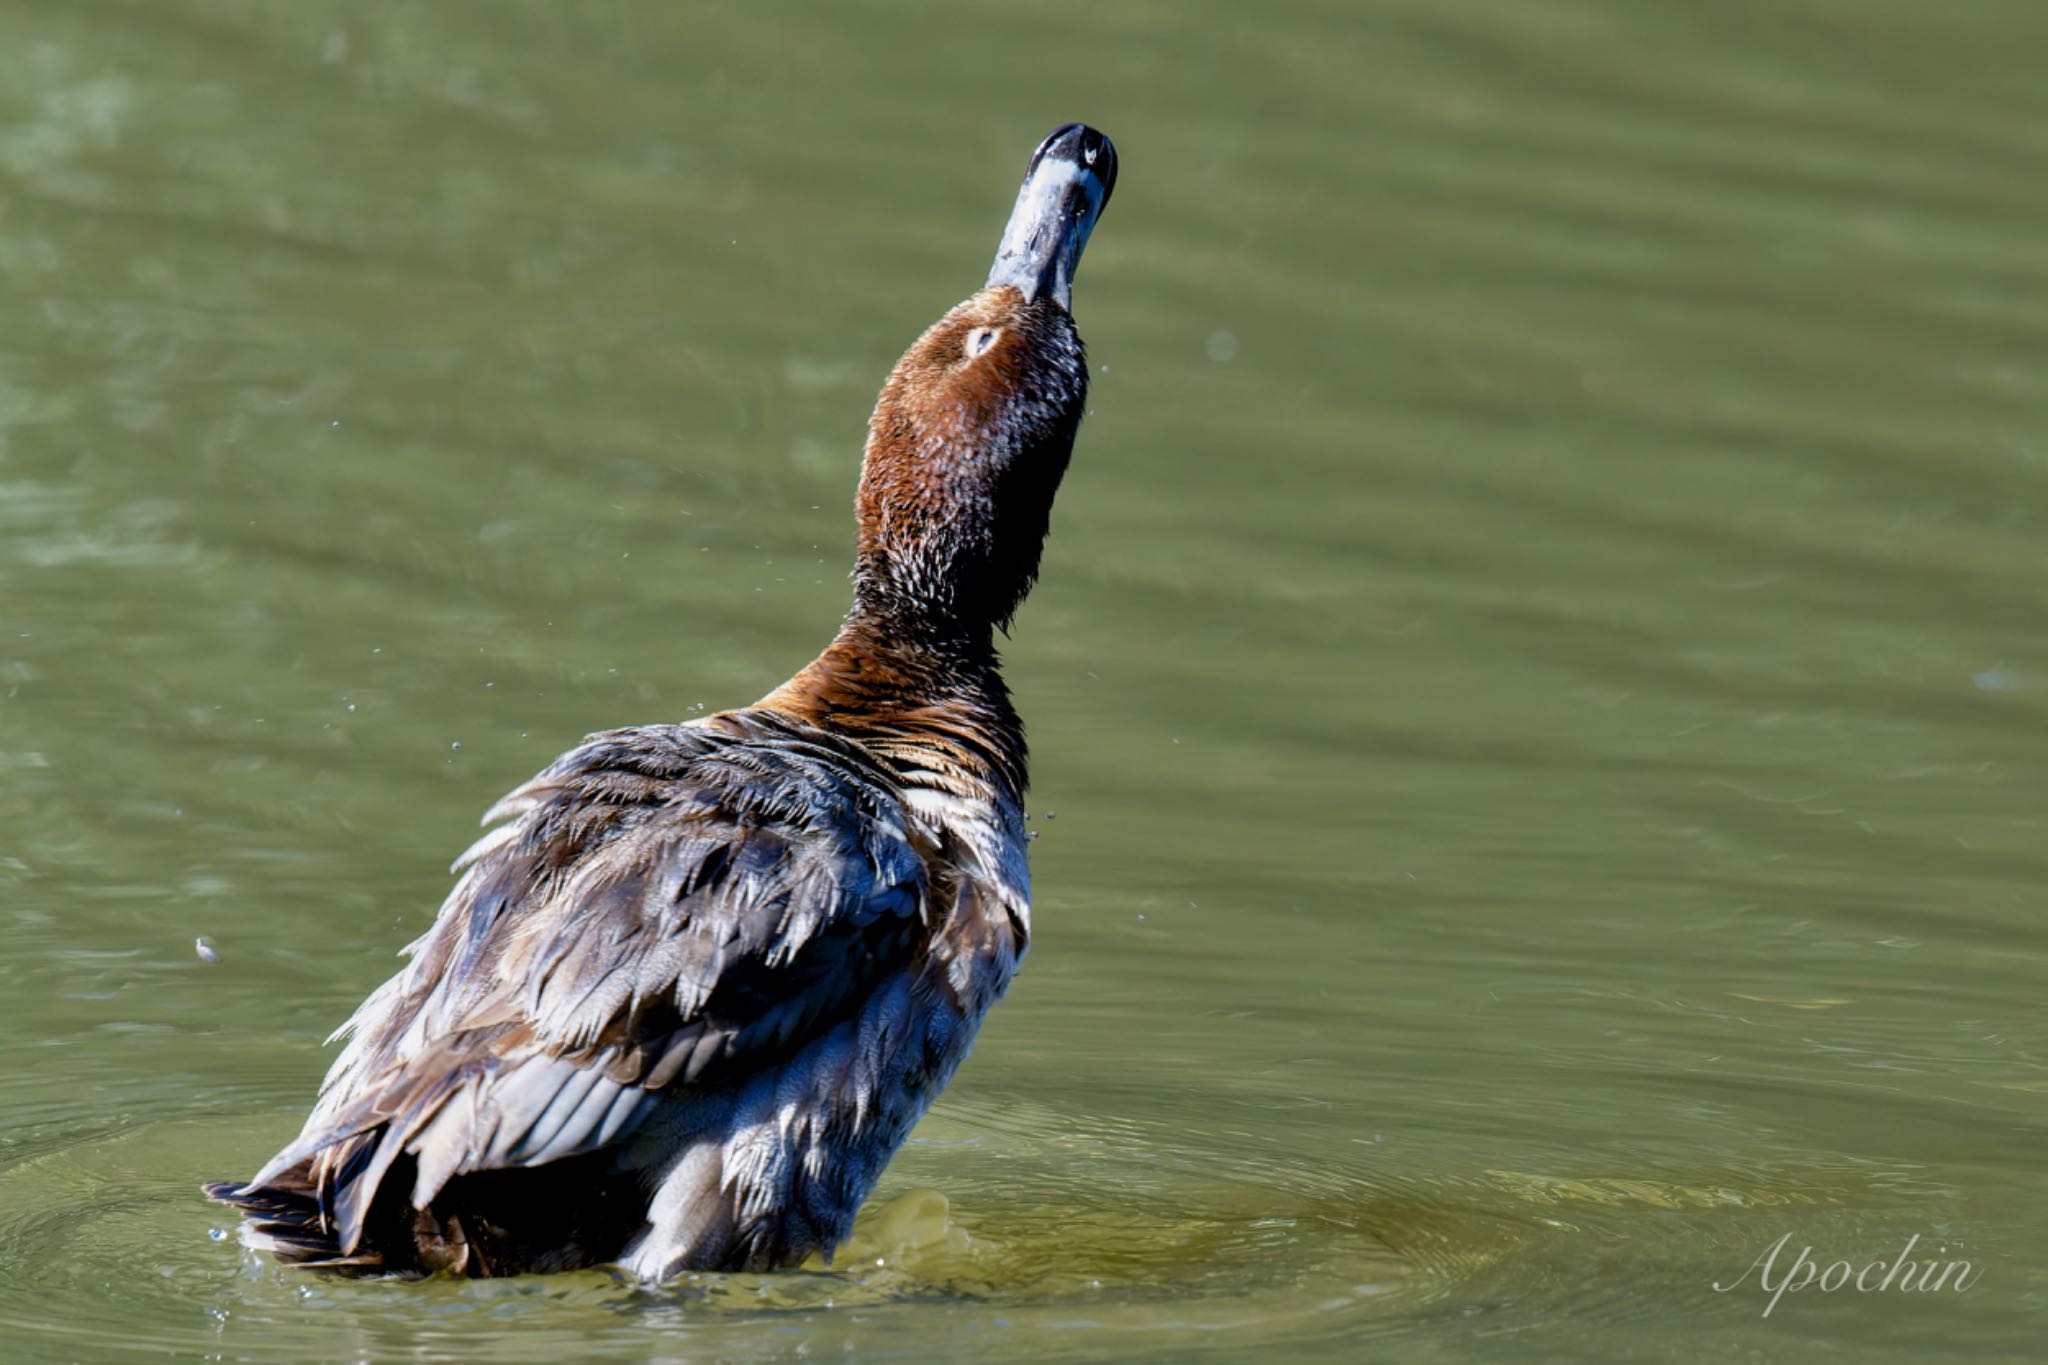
<point>1898,1274</point>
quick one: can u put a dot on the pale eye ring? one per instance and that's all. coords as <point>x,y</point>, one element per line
<point>980,339</point>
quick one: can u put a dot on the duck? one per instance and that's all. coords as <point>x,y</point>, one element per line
<point>697,981</point>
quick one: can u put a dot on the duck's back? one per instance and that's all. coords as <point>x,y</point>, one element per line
<point>678,1012</point>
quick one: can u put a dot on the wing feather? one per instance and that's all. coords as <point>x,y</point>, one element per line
<point>663,906</point>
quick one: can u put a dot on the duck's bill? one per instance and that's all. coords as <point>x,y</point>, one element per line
<point>1065,189</point>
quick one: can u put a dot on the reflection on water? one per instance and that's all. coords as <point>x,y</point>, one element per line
<point>1536,689</point>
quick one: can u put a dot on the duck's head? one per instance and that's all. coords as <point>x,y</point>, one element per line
<point>975,424</point>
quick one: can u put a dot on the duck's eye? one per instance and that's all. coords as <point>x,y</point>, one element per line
<point>980,339</point>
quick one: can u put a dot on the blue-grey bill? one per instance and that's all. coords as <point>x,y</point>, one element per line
<point>1065,189</point>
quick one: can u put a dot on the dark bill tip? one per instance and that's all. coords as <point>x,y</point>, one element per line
<point>1079,145</point>
<point>1066,186</point>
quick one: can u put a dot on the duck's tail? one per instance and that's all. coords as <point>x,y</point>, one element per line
<point>561,1216</point>
<point>285,1218</point>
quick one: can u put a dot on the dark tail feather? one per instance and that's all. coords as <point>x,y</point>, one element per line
<point>563,1215</point>
<point>285,1219</point>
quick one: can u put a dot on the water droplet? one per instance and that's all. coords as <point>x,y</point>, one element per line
<point>1222,346</point>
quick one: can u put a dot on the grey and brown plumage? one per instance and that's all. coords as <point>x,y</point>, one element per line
<point>693,988</point>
